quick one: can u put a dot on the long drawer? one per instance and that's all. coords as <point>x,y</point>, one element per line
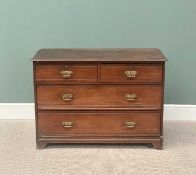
<point>99,96</point>
<point>99,123</point>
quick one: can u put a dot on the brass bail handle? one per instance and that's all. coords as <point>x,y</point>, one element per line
<point>66,97</point>
<point>67,124</point>
<point>130,124</point>
<point>131,97</point>
<point>131,74</point>
<point>66,73</point>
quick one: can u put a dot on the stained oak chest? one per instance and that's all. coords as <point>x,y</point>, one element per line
<point>110,96</point>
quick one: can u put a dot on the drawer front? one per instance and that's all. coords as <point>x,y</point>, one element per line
<point>99,96</point>
<point>131,73</point>
<point>99,123</point>
<point>67,73</point>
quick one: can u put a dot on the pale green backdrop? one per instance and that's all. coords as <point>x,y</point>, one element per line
<point>28,25</point>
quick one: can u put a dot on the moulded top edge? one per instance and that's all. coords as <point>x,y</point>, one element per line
<point>100,55</point>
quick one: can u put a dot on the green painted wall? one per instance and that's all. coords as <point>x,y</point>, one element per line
<point>26,26</point>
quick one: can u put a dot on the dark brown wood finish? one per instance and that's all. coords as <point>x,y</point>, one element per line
<point>99,123</point>
<point>99,107</point>
<point>117,73</point>
<point>148,96</point>
<point>79,73</point>
<point>100,55</point>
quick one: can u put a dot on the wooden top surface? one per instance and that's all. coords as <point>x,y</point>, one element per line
<point>103,55</point>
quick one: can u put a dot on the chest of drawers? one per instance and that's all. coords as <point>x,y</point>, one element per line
<point>102,96</point>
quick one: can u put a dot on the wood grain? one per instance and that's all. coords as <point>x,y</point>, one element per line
<point>99,107</point>
<point>145,73</point>
<point>80,73</point>
<point>99,123</point>
<point>100,55</point>
<point>100,96</point>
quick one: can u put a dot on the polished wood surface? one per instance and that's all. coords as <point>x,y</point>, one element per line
<point>144,73</point>
<point>100,55</point>
<point>79,73</point>
<point>99,123</point>
<point>88,101</point>
<point>148,96</point>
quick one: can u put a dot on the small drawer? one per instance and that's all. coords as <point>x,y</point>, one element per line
<point>67,73</point>
<point>99,96</point>
<point>99,123</point>
<point>131,73</point>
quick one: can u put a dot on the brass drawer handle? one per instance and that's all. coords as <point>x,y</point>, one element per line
<point>66,97</point>
<point>131,74</point>
<point>67,124</point>
<point>130,124</point>
<point>131,97</point>
<point>66,73</point>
